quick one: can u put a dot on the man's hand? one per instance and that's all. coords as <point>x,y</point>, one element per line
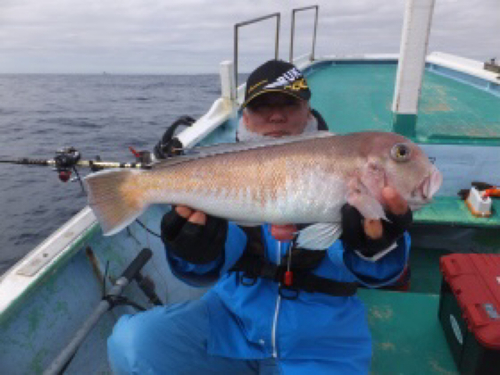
<point>373,236</point>
<point>192,216</point>
<point>193,235</point>
<point>394,203</point>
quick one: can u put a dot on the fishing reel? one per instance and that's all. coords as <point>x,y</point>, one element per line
<point>65,161</point>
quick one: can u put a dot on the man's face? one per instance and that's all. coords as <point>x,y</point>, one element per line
<point>276,115</point>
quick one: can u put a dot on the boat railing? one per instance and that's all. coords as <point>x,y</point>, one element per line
<point>249,22</point>
<point>296,10</point>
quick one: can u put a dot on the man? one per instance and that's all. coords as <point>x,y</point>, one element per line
<point>274,308</point>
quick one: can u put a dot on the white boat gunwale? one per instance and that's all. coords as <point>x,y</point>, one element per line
<point>39,264</point>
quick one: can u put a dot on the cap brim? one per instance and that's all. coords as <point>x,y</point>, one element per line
<point>271,91</point>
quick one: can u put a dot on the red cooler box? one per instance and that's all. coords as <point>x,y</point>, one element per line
<point>469,311</point>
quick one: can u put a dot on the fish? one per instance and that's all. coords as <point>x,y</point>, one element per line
<point>303,179</point>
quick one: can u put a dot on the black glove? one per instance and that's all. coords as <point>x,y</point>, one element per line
<point>195,243</point>
<point>168,145</point>
<point>354,237</point>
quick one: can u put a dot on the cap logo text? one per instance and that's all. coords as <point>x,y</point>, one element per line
<point>297,85</point>
<point>285,79</point>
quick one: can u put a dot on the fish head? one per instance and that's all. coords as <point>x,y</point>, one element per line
<point>393,160</point>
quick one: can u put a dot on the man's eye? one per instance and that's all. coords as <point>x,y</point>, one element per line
<point>291,103</point>
<point>260,106</point>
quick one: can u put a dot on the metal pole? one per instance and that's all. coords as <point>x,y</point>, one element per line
<point>411,65</point>
<point>236,57</point>
<point>277,44</point>
<point>291,36</point>
<point>245,23</point>
<point>316,7</point>
<point>315,29</point>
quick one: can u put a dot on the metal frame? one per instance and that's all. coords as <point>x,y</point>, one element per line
<point>254,20</point>
<point>293,29</point>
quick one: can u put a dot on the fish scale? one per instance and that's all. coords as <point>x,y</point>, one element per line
<point>282,198</point>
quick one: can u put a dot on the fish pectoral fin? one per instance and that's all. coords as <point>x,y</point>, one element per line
<point>319,236</point>
<point>373,175</point>
<point>368,206</point>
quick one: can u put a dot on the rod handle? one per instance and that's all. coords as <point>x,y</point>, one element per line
<point>140,260</point>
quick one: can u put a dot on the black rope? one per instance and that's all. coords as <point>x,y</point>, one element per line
<point>79,179</point>
<point>147,229</point>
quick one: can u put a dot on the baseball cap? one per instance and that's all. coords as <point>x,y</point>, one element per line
<point>276,76</point>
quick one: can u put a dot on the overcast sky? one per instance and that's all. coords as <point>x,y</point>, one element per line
<point>193,36</point>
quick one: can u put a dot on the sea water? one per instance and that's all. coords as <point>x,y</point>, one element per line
<point>98,115</point>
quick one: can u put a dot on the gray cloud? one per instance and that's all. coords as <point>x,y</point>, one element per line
<point>193,36</point>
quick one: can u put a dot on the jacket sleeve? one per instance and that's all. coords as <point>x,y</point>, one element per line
<point>382,271</point>
<point>202,275</point>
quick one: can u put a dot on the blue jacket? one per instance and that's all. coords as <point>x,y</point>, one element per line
<point>254,322</point>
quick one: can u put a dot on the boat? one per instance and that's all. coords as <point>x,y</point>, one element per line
<point>54,303</point>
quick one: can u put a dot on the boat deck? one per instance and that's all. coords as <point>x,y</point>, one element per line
<point>356,96</point>
<point>407,335</point>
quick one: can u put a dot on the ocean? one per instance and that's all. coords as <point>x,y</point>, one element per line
<point>98,115</point>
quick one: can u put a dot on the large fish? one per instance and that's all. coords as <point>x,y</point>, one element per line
<point>298,179</point>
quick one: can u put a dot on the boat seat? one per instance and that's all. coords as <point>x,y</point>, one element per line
<point>453,211</point>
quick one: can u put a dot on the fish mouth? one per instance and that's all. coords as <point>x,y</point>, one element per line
<point>426,189</point>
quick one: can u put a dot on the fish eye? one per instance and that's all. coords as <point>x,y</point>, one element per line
<point>400,152</point>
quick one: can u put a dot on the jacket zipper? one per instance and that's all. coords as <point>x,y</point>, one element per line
<point>277,308</point>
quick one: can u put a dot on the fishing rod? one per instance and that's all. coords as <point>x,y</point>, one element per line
<point>68,159</point>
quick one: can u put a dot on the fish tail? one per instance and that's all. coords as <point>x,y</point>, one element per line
<point>116,198</point>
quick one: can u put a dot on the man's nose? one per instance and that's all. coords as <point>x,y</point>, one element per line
<point>277,115</point>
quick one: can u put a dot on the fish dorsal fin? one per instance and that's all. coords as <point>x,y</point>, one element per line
<point>225,148</point>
